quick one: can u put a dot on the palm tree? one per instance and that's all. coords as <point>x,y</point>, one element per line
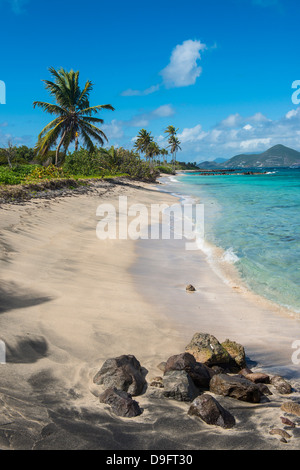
<point>75,117</point>
<point>164,153</point>
<point>144,138</point>
<point>174,147</point>
<point>152,151</point>
<point>171,131</point>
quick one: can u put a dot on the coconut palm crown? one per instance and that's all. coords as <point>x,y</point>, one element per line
<point>74,116</point>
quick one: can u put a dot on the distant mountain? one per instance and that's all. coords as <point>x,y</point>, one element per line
<point>277,156</point>
<point>211,165</point>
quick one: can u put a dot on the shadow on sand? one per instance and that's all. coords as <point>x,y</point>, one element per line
<point>12,297</point>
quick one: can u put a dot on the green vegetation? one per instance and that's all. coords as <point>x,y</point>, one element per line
<point>75,121</point>
<point>15,175</point>
<point>75,117</point>
<point>186,166</point>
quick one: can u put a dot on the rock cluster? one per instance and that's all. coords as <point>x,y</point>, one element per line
<point>206,367</point>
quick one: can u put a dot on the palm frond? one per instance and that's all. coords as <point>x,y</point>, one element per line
<point>95,109</point>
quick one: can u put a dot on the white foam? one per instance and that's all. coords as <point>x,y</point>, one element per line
<point>230,257</point>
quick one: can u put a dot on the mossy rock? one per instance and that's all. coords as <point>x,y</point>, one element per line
<point>236,352</point>
<point>207,350</point>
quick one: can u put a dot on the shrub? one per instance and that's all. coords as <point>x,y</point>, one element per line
<point>16,174</point>
<point>166,169</point>
<point>83,163</point>
<point>47,172</point>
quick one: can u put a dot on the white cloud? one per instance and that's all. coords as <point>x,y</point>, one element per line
<point>193,134</point>
<point>292,113</point>
<point>259,117</point>
<point>164,111</point>
<point>226,141</point>
<point>113,130</point>
<point>148,91</point>
<point>254,144</point>
<point>183,69</point>
<point>142,120</point>
<point>231,121</point>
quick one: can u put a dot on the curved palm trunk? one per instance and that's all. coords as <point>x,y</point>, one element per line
<point>58,148</point>
<point>76,142</point>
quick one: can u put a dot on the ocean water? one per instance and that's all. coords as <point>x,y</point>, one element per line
<point>256,221</point>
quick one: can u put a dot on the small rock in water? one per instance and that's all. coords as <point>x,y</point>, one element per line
<point>287,422</point>
<point>190,288</point>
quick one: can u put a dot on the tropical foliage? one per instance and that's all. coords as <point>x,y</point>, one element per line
<point>75,117</point>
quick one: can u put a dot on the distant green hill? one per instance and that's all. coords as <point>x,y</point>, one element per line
<point>211,165</point>
<point>277,156</point>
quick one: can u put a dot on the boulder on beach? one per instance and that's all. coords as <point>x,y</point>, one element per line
<point>281,385</point>
<point>235,387</point>
<point>258,377</point>
<point>206,349</point>
<point>264,390</point>
<point>199,373</point>
<point>291,407</point>
<point>179,386</point>
<point>236,352</point>
<point>123,373</point>
<point>211,412</point>
<point>121,403</point>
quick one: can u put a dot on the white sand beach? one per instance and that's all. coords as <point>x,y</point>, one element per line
<point>69,301</point>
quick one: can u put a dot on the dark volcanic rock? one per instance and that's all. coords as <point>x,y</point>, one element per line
<point>121,403</point>
<point>124,373</point>
<point>281,385</point>
<point>264,390</point>
<point>190,288</point>
<point>235,387</point>
<point>209,410</point>
<point>257,377</point>
<point>207,350</point>
<point>179,385</point>
<point>199,373</point>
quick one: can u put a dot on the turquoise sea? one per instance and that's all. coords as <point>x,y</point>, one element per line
<point>255,219</point>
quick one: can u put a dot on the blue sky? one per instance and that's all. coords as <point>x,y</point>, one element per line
<point>219,70</point>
